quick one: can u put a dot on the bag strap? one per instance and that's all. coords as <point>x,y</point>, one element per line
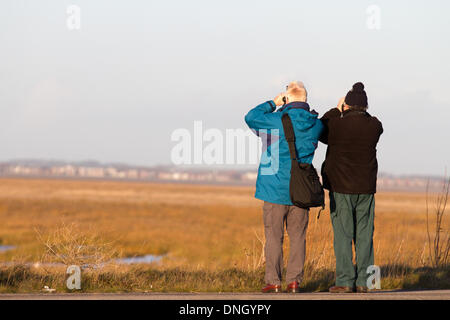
<point>289,134</point>
<point>290,138</point>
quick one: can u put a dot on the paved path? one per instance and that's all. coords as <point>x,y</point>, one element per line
<point>381,295</point>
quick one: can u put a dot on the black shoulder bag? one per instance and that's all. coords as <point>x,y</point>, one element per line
<point>304,187</point>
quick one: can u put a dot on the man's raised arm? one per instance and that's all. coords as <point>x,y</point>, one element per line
<point>333,113</point>
<point>262,116</point>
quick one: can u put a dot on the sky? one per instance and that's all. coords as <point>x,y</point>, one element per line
<point>115,89</point>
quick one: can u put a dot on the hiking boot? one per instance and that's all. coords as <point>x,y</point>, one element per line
<point>337,289</point>
<point>360,289</point>
<point>271,288</point>
<point>293,287</point>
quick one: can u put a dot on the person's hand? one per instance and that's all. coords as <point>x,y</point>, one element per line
<point>279,99</point>
<point>340,105</point>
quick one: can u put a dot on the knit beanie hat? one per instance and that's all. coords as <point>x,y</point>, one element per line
<point>357,96</point>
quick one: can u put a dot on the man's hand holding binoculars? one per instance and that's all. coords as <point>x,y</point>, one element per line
<point>340,105</point>
<point>279,99</point>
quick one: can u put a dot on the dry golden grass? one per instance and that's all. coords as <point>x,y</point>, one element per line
<point>197,228</point>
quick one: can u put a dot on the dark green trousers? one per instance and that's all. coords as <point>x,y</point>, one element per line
<point>352,216</point>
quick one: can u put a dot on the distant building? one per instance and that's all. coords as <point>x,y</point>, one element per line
<point>244,177</point>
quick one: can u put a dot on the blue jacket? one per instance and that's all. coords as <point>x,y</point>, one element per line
<point>274,171</point>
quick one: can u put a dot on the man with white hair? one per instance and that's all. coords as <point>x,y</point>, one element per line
<point>272,185</point>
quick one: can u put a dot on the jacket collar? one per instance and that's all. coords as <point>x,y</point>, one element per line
<point>353,112</point>
<point>297,105</point>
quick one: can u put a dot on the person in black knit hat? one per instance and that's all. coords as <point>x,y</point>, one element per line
<point>357,97</point>
<point>349,172</point>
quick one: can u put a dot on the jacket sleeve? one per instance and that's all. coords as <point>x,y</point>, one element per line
<point>381,130</point>
<point>262,116</point>
<point>333,113</point>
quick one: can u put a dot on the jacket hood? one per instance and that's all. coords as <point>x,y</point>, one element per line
<point>302,117</point>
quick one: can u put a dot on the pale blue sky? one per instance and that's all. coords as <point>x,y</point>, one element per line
<point>115,90</point>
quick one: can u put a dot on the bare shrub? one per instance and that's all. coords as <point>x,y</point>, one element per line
<point>71,245</point>
<point>439,242</point>
<point>255,256</point>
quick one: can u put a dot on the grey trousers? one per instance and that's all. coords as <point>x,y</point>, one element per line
<point>296,220</point>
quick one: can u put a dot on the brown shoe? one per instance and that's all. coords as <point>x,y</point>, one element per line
<point>271,288</point>
<point>336,289</point>
<point>293,287</point>
<point>361,289</point>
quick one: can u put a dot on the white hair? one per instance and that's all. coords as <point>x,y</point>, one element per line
<point>296,91</point>
<point>296,84</point>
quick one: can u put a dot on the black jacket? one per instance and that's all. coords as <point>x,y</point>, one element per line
<point>350,164</point>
